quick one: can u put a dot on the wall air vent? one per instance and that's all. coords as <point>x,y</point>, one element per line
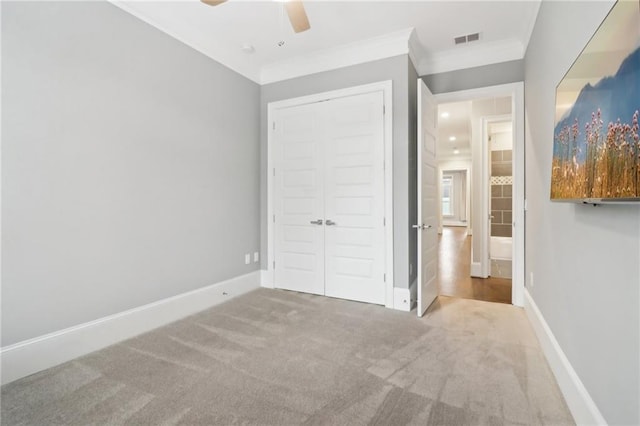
<point>467,38</point>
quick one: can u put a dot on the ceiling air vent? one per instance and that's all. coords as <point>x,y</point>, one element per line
<point>473,37</point>
<point>460,40</point>
<point>467,38</point>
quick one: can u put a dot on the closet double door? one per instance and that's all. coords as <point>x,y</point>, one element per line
<point>329,198</point>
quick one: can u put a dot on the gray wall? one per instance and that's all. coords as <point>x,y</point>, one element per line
<point>471,78</point>
<point>584,259</point>
<point>129,167</point>
<point>395,69</point>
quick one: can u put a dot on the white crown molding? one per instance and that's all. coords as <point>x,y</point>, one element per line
<point>416,51</point>
<point>245,70</point>
<point>373,49</point>
<point>382,47</point>
<point>472,56</point>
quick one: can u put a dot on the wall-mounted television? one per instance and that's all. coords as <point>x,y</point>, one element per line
<point>596,148</point>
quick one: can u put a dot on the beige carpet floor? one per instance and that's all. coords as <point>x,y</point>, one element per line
<point>283,358</point>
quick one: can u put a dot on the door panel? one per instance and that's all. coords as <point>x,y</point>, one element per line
<point>354,198</point>
<point>427,199</point>
<point>299,199</point>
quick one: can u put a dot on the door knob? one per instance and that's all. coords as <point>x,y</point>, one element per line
<point>316,222</point>
<point>423,226</point>
<point>329,222</point>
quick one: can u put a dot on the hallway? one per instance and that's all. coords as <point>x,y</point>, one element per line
<point>454,260</point>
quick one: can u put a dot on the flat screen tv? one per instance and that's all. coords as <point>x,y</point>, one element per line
<point>596,149</point>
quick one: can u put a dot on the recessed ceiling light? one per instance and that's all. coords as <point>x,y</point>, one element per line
<point>456,151</point>
<point>247,48</point>
<point>452,138</point>
<point>444,115</point>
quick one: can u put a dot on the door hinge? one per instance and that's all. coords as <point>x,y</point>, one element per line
<point>274,125</point>
<point>384,277</point>
<point>384,109</point>
<point>274,171</point>
<point>274,264</point>
<point>274,218</point>
<point>384,221</point>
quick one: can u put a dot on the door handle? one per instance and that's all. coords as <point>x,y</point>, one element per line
<point>316,222</point>
<point>422,226</point>
<point>329,222</point>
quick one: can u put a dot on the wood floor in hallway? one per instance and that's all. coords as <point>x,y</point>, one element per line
<point>454,250</point>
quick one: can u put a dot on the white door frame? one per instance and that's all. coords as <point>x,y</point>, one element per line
<point>516,91</point>
<point>386,88</point>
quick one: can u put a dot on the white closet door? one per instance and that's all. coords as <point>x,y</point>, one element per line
<point>354,198</point>
<point>299,199</point>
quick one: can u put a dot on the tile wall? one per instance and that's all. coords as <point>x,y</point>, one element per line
<point>501,190</point>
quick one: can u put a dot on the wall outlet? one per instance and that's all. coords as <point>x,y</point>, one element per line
<point>256,256</point>
<point>530,279</point>
<point>247,259</point>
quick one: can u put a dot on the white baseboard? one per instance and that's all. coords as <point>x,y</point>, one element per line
<point>582,407</point>
<point>30,356</point>
<point>266,279</point>
<point>413,291</point>
<point>456,223</point>
<point>476,270</point>
<point>402,299</point>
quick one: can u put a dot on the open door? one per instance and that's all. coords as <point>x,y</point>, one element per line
<point>427,199</point>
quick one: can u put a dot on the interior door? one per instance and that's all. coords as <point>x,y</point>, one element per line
<point>427,199</point>
<point>354,198</point>
<point>299,199</point>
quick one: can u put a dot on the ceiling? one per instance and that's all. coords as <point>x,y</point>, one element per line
<point>456,124</point>
<point>344,32</point>
<point>454,120</point>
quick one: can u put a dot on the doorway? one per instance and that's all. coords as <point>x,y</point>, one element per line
<point>500,141</point>
<point>474,239</point>
<point>455,243</point>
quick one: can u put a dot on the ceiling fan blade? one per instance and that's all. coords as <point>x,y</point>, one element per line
<point>213,2</point>
<point>297,15</point>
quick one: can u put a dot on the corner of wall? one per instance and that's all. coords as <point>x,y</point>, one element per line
<point>583,409</point>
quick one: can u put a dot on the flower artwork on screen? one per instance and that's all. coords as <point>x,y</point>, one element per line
<point>596,150</point>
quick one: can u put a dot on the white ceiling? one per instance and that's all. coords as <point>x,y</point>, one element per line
<point>356,31</point>
<point>458,125</point>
